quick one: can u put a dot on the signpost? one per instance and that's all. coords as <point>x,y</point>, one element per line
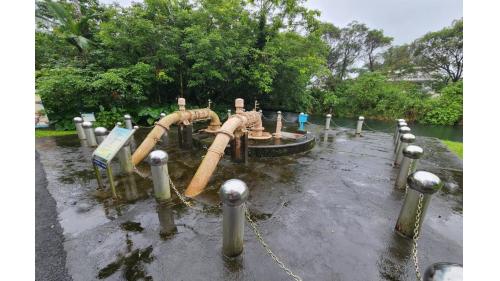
<point>107,150</point>
<point>88,117</point>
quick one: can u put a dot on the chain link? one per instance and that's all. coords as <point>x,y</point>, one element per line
<point>386,130</point>
<point>416,236</point>
<point>268,250</point>
<point>181,197</point>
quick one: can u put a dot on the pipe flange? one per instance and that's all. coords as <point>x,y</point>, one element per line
<point>227,133</point>
<point>221,154</point>
<point>159,124</point>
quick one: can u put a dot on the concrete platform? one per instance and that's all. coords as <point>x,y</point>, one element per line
<point>329,213</point>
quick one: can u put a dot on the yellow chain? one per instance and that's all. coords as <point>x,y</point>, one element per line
<point>416,237</point>
<point>181,197</point>
<point>268,250</point>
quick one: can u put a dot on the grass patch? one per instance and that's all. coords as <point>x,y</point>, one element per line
<point>456,147</point>
<point>52,133</point>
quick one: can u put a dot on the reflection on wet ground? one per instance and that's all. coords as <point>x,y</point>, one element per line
<point>329,213</point>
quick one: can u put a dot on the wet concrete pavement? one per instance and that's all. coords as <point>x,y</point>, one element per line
<point>50,257</point>
<point>328,213</point>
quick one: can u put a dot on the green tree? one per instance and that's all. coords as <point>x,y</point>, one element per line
<point>374,41</point>
<point>442,51</point>
<point>346,46</point>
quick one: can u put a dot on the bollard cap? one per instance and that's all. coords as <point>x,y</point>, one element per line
<point>279,112</point>
<point>239,102</point>
<point>127,117</point>
<point>413,151</point>
<point>404,130</point>
<point>302,113</point>
<point>408,138</point>
<point>328,116</point>
<point>181,101</point>
<point>424,182</point>
<point>158,158</point>
<point>162,115</point>
<point>119,124</point>
<point>78,119</point>
<point>444,271</point>
<point>400,120</point>
<point>100,131</point>
<point>229,110</point>
<point>402,124</point>
<point>233,192</point>
<point>136,127</point>
<point>361,118</point>
<point>87,124</point>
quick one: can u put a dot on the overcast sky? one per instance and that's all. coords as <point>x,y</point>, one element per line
<point>405,20</point>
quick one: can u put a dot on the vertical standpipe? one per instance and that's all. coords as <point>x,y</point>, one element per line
<point>89,133</point>
<point>408,165</point>
<point>79,129</point>
<point>406,139</point>
<point>127,119</point>
<point>359,126</point>
<point>100,134</point>
<point>279,125</point>
<point>421,186</point>
<point>159,171</point>
<point>228,113</point>
<point>328,119</point>
<point>233,194</point>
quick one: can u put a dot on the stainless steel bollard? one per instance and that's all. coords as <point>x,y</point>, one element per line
<point>359,126</point>
<point>396,136</point>
<point>100,134</point>
<point>421,186</point>
<point>328,119</point>
<point>444,271</point>
<point>125,159</point>
<point>162,115</point>
<point>89,133</point>
<point>228,113</point>
<point>233,194</point>
<point>406,139</point>
<point>159,171</point>
<point>397,128</point>
<point>402,130</point>
<point>128,121</point>
<point>119,124</point>
<point>408,165</point>
<point>79,129</point>
<point>136,127</point>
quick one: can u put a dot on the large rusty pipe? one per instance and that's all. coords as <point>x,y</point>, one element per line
<point>164,124</point>
<point>216,151</point>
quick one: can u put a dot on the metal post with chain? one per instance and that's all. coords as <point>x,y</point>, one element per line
<point>416,236</point>
<point>268,249</point>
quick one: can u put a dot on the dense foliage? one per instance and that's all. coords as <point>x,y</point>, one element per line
<point>110,60</point>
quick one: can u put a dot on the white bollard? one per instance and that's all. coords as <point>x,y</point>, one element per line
<point>79,129</point>
<point>328,119</point>
<point>406,139</point>
<point>359,126</point>
<point>128,121</point>
<point>233,194</point>
<point>89,133</point>
<point>100,134</point>
<point>159,170</point>
<point>408,165</point>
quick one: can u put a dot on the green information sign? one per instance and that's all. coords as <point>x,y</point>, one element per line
<point>88,117</point>
<point>105,152</point>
